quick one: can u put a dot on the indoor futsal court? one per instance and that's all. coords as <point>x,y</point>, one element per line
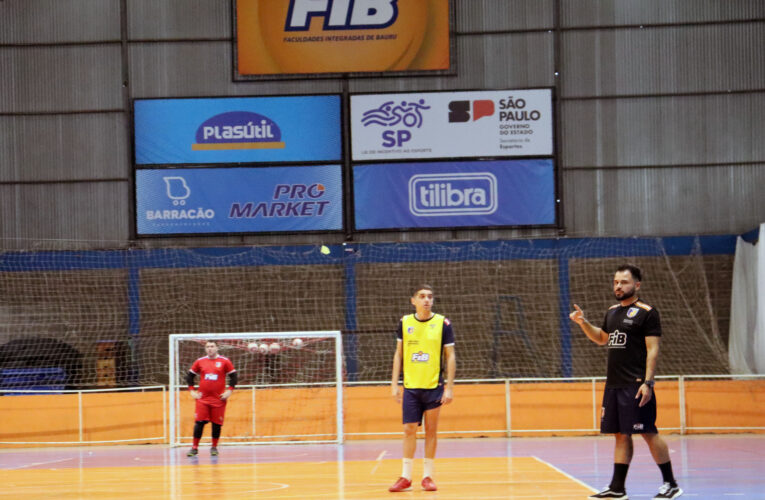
<point>706,466</point>
<point>326,222</point>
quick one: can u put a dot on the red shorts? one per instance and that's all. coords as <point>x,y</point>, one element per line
<point>205,412</point>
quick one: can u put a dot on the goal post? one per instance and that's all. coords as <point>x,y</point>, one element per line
<point>290,387</point>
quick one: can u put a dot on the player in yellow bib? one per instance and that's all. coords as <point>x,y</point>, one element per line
<point>424,345</point>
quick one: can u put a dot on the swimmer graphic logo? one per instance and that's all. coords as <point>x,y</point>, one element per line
<point>391,114</point>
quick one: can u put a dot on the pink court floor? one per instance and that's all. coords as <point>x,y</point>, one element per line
<point>706,466</point>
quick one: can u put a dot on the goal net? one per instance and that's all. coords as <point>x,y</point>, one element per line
<point>89,319</point>
<point>290,386</point>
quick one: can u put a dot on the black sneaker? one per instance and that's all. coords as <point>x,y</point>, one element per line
<point>609,493</point>
<point>213,451</point>
<point>668,491</point>
<point>192,452</point>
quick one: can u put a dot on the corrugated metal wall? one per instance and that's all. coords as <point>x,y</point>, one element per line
<point>660,107</point>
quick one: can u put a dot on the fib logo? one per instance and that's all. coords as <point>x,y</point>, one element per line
<point>362,14</point>
<point>396,115</point>
<point>334,36</point>
<point>420,357</point>
<point>460,112</point>
<point>617,340</point>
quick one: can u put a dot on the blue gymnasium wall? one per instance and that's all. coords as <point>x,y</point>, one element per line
<point>352,254</point>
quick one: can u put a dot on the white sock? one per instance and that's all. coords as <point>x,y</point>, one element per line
<point>427,468</point>
<point>406,468</point>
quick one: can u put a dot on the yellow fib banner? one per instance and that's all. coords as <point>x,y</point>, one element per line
<point>341,36</point>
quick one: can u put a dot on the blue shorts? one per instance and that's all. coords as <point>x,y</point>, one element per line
<point>621,414</point>
<point>417,401</point>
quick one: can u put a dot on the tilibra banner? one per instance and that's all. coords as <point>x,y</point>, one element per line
<point>454,194</point>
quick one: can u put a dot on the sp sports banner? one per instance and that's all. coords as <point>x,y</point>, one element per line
<point>238,130</point>
<point>238,200</point>
<point>452,124</point>
<point>276,37</point>
<point>454,194</point>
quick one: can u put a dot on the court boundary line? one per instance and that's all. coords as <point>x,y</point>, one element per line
<point>40,463</point>
<point>579,481</point>
<point>378,461</point>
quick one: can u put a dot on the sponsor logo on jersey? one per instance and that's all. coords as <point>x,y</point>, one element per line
<point>617,339</point>
<point>453,194</point>
<point>632,312</point>
<point>211,376</point>
<point>238,130</point>
<point>420,357</point>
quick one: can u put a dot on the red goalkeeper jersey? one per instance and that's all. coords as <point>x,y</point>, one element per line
<point>212,376</point>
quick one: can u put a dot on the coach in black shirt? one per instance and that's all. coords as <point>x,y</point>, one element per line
<point>632,330</point>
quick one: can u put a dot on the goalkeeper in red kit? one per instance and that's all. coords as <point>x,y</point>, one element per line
<point>212,395</point>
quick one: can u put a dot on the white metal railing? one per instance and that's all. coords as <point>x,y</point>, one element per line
<point>508,429</point>
<point>82,424</point>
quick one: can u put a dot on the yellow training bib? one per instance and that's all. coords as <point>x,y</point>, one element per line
<point>422,351</point>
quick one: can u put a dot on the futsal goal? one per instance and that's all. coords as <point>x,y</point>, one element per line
<point>290,387</point>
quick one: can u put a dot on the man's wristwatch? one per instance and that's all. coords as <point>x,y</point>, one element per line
<point>650,383</point>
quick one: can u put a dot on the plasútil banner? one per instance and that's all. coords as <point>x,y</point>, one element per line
<point>238,130</point>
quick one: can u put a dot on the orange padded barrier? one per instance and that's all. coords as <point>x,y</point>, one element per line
<point>537,409</point>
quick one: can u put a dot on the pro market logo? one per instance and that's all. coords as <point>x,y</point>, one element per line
<point>238,130</point>
<point>289,200</point>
